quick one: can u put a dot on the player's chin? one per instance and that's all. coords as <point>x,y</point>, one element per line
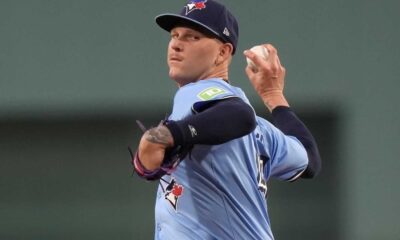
<point>179,77</point>
<point>174,73</point>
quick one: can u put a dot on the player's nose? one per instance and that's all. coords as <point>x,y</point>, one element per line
<point>176,45</point>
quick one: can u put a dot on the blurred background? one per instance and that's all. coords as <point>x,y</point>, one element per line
<point>75,75</point>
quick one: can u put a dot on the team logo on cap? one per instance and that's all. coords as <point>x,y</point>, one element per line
<point>195,5</point>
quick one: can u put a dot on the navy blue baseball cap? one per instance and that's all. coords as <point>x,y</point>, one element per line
<point>208,15</point>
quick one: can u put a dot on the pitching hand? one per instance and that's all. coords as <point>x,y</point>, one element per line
<point>269,78</point>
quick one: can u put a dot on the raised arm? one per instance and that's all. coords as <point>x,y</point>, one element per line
<point>268,81</point>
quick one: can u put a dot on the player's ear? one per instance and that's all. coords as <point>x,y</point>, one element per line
<point>225,52</point>
<point>226,49</point>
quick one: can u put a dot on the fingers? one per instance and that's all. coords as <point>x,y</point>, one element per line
<point>269,75</point>
<point>273,53</point>
<point>257,60</point>
<point>273,58</point>
<point>251,72</point>
<point>271,64</point>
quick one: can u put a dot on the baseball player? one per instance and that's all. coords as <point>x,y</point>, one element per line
<point>213,155</point>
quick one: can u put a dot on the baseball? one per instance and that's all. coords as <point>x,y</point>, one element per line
<point>261,51</point>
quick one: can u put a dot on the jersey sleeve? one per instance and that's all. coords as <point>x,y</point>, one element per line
<point>195,97</point>
<point>287,158</point>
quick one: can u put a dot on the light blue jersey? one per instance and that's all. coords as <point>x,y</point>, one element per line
<point>218,191</point>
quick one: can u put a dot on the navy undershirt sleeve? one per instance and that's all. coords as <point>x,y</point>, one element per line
<point>287,121</point>
<point>222,121</point>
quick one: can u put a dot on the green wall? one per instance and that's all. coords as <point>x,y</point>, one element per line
<point>74,75</point>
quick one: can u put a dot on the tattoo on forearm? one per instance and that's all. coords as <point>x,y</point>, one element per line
<point>159,135</point>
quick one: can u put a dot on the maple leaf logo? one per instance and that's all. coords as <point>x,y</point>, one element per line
<point>200,5</point>
<point>177,190</point>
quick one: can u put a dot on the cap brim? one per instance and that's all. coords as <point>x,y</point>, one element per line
<point>168,21</point>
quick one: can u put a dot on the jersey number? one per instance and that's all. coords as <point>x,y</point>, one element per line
<point>262,184</point>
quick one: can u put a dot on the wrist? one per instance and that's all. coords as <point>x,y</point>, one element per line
<point>273,99</point>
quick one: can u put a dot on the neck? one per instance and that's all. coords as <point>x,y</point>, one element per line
<point>219,73</point>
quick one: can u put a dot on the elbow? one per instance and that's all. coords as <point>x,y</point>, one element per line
<point>250,124</point>
<point>311,173</point>
<point>240,115</point>
<point>313,169</point>
<point>249,120</point>
<point>314,159</point>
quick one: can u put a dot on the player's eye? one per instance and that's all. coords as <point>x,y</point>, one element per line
<point>174,35</point>
<point>192,37</point>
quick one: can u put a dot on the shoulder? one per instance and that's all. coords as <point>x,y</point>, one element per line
<point>193,97</point>
<point>199,93</point>
<point>206,90</point>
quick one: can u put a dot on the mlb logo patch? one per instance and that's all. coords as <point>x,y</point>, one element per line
<point>195,5</point>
